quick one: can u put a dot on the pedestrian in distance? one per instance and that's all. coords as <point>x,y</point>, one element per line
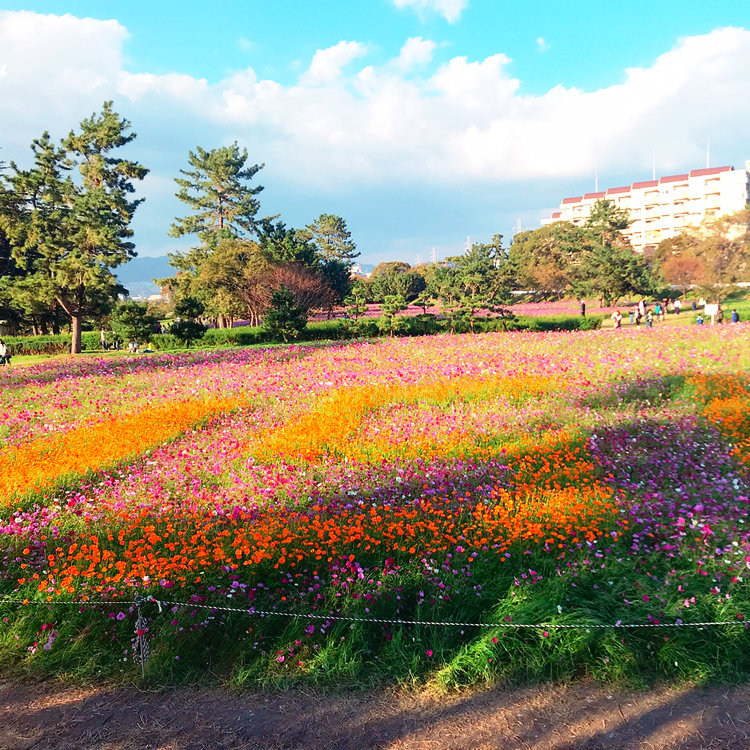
<point>649,319</point>
<point>735,318</point>
<point>719,316</point>
<point>617,319</point>
<point>4,353</point>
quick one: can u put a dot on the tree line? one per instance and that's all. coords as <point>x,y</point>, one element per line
<point>65,228</point>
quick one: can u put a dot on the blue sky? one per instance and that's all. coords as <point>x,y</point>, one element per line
<point>418,121</point>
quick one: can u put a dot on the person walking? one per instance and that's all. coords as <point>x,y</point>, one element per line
<point>583,308</point>
<point>719,316</point>
<point>4,356</point>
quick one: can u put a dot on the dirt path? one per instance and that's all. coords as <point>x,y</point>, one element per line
<point>549,717</point>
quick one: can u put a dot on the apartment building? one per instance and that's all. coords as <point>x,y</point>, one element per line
<point>667,206</point>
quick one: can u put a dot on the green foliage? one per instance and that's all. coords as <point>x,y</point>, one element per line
<point>282,245</point>
<point>331,238</point>
<point>132,321</point>
<point>389,268</point>
<point>480,279</point>
<point>356,302</point>
<point>612,272</point>
<point>285,318</point>
<point>545,259</point>
<point>714,256</point>
<point>67,219</point>
<point>55,344</point>
<point>610,269</point>
<point>336,274</point>
<point>187,331</point>
<point>404,284</point>
<point>215,189</point>
<point>189,307</point>
<point>392,306</point>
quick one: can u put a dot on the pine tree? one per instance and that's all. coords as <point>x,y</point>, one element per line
<point>331,237</point>
<point>215,189</point>
<point>285,318</point>
<point>69,224</point>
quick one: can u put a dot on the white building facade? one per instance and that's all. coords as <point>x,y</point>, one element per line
<point>663,208</point>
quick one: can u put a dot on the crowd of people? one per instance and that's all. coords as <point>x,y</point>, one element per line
<point>642,312</point>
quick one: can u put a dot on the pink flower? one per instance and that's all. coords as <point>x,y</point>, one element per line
<point>545,634</point>
<point>429,652</point>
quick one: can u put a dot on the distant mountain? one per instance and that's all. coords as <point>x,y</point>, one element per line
<point>137,275</point>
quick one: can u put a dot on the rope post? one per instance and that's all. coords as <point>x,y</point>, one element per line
<point>140,644</point>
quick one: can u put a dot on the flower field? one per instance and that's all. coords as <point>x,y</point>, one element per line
<point>288,507</point>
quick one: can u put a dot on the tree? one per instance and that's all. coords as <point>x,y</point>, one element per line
<point>407,284</point>
<point>132,321</point>
<point>388,268</point>
<point>610,273</point>
<point>479,280</point>
<point>606,222</point>
<point>609,268</point>
<point>392,306</point>
<point>722,245</point>
<point>713,256</point>
<point>284,319</point>
<point>216,190</point>
<point>337,274</point>
<point>332,239</point>
<point>545,259</point>
<point>356,302</point>
<point>186,328</point>
<point>69,218</point>
<point>682,271</point>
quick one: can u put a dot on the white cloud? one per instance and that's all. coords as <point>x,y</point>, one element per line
<point>54,68</point>
<point>464,121</point>
<point>542,44</point>
<point>416,51</point>
<point>327,64</point>
<point>450,9</point>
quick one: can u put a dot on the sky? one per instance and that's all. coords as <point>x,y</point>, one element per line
<point>420,122</point>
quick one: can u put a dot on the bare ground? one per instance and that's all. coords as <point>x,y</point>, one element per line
<point>583,714</point>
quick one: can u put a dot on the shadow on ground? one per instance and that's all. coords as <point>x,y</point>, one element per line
<point>582,715</point>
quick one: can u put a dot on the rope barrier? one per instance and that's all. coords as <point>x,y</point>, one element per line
<point>141,649</point>
<point>139,601</point>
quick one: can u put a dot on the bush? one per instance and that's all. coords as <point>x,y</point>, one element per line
<point>285,318</point>
<point>54,344</point>
<point>187,331</point>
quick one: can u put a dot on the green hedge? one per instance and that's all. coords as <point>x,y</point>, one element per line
<point>328,330</point>
<point>55,344</point>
